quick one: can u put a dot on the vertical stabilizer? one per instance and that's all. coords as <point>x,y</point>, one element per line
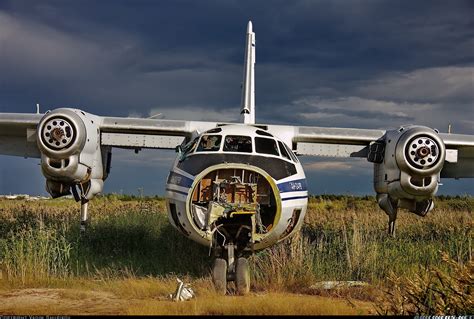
<point>247,112</point>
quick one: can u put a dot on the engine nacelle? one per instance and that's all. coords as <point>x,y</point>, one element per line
<point>409,175</point>
<point>69,142</point>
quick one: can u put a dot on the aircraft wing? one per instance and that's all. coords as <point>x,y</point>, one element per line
<point>350,142</point>
<point>18,138</point>
<point>18,134</point>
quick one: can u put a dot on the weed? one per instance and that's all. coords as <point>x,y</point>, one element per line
<point>432,291</point>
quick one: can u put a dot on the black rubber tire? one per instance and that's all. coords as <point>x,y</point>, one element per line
<point>242,276</point>
<point>219,276</point>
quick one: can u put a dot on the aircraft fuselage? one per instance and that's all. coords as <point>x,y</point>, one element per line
<point>237,183</point>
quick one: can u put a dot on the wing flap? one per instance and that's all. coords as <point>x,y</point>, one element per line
<point>332,150</point>
<point>148,133</point>
<point>125,140</point>
<point>463,165</point>
<point>18,134</point>
<point>332,135</point>
<point>145,126</point>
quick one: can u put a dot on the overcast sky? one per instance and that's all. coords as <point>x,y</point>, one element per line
<point>364,64</point>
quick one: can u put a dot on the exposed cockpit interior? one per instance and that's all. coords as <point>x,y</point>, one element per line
<point>238,204</point>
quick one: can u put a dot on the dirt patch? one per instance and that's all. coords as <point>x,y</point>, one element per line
<point>50,301</point>
<point>59,301</point>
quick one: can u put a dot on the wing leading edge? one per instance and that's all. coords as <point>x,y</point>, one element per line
<point>18,138</point>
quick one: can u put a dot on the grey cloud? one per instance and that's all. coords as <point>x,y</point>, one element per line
<point>432,97</point>
<point>374,64</point>
<point>440,84</point>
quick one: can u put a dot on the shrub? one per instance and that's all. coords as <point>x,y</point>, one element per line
<point>432,291</point>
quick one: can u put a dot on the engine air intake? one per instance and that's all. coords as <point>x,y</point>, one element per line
<point>58,133</point>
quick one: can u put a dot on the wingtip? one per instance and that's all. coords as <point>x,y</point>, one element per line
<point>249,27</point>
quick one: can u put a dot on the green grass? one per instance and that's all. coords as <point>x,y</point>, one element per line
<point>343,238</point>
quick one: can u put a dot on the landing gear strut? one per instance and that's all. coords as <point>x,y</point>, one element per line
<point>391,206</point>
<point>81,197</point>
<point>391,209</point>
<point>228,269</point>
<point>84,211</point>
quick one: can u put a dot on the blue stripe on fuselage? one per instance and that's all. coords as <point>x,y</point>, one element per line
<point>291,198</point>
<point>180,180</point>
<point>298,185</point>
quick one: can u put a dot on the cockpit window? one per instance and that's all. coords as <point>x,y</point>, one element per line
<point>237,143</point>
<point>215,130</point>
<point>209,143</point>
<point>283,151</point>
<point>293,156</point>
<point>261,132</point>
<point>188,148</point>
<point>266,146</point>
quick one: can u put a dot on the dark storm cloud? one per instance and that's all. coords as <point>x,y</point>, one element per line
<point>375,64</point>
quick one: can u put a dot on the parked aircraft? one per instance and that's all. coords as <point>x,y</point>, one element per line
<point>235,187</point>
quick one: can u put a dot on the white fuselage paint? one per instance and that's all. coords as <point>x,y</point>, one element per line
<point>290,191</point>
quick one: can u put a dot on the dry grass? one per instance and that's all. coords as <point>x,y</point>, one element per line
<point>132,256</point>
<point>432,291</point>
<point>269,304</point>
<point>149,297</point>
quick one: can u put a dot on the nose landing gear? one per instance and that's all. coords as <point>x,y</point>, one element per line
<point>228,269</point>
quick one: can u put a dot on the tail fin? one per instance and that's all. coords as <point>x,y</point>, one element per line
<point>247,113</point>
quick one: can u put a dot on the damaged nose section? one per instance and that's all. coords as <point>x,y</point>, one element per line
<point>234,205</point>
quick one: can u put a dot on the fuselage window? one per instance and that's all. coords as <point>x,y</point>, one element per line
<point>283,151</point>
<point>237,143</point>
<point>266,146</point>
<point>209,143</point>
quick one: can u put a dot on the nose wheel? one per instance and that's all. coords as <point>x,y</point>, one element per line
<point>219,276</point>
<point>228,269</point>
<point>242,276</point>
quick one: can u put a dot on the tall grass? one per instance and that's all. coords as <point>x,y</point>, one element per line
<point>40,241</point>
<point>287,266</point>
<point>36,256</point>
<point>432,291</point>
<point>343,238</point>
<point>346,239</point>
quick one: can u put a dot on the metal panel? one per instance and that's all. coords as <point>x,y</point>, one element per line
<point>331,150</point>
<point>451,156</point>
<point>153,126</point>
<point>463,168</point>
<point>335,135</point>
<point>17,134</point>
<point>18,146</point>
<point>140,140</point>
